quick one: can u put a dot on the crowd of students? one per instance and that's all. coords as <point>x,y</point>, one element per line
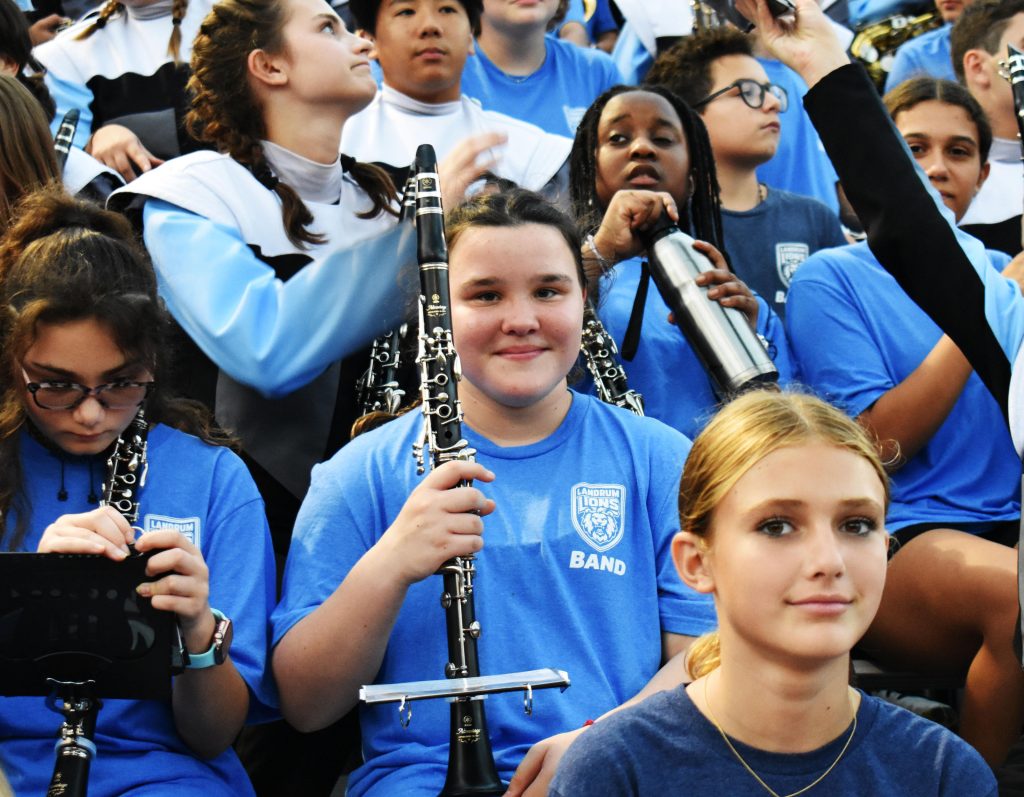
<point>704,572</point>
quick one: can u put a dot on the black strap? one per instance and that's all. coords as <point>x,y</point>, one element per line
<point>631,341</point>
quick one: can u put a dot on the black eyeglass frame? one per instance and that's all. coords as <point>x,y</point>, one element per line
<point>774,89</point>
<point>96,392</point>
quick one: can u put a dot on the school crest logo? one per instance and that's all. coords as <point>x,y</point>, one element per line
<point>598,514</point>
<point>188,526</point>
<point>788,258</point>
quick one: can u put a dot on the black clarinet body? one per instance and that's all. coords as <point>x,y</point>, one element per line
<point>126,475</point>
<point>62,142</point>
<point>601,356</point>
<point>75,749</point>
<point>471,768</point>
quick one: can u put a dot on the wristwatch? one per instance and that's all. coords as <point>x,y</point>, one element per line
<point>218,652</point>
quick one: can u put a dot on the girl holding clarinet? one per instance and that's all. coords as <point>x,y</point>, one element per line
<point>83,354</point>
<point>570,522</point>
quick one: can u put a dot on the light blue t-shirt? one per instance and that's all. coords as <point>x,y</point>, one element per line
<point>576,573</point>
<point>927,55</point>
<point>206,493</point>
<point>555,97</point>
<point>800,164</point>
<point>666,371</point>
<point>649,750</point>
<point>856,335</point>
<point>632,59</point>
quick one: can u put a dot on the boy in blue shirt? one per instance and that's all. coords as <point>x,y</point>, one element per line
<point>520,71</point>
<point>768,232</point>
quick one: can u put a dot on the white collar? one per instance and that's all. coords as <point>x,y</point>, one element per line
<point>161,8</point>
<point>406,103</point>
<point>1004,150</point>
<point>314,182</point>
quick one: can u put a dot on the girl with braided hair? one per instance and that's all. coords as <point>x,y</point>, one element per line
<point>640,151</point>
<point>125,66</point>
<point>276,257</point>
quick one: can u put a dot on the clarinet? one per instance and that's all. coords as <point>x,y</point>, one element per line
<point>126,470</point>
<point>378,389</point>
<point>126,475</point>
<point>602,358</point>
<point>1015,63</point>
<point>65,135</point>
<point>471,767</point>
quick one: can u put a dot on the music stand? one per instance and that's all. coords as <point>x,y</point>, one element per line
<point>74,630</point>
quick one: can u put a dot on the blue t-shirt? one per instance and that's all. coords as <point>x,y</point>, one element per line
<point>576,573</point>
<point>856,335</point>
<point>631,58</point>
<point>666,371</point>
<point>665,745</point>
<point>924,55</point>
<point>207,494</point>
<point>555,97</point>
<point>768,243</point>
<point>800,164</point>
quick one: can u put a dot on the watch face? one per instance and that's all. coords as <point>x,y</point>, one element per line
<point>222,640</point>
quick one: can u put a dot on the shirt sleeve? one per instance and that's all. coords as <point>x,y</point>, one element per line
<point>822,321</point>
<point>336,525</point>
<point>770,326</point>
<point>237,548</point>
<point>682,609</point>
<point>271,334</point>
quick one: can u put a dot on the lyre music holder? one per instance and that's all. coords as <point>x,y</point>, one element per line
<point>74,630</point>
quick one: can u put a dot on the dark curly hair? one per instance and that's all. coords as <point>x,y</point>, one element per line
<point>685,68</point>
<point>64,260</point>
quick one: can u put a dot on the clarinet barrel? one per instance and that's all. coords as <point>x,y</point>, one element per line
<point>729,349</point>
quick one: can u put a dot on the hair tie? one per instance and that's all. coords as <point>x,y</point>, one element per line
<point>101,22</point>
<point>347,162</point>
<point>176,21</point>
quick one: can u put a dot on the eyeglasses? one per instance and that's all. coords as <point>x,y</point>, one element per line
<point>752,93</point>
<point>121,395</point>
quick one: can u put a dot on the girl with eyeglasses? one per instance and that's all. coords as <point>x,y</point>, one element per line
<point>83,348</point>
<point>782,507</point>
<point>640,151</point>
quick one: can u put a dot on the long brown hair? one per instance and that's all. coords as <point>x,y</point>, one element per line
<point>64,260</point>
<point>112,7</point>
<point>27,160</point>
<point>226,114</point>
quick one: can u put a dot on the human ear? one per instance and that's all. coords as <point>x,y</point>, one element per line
<point>266,69</point>
<point>986,167</point>
<point>365,34</point>
<point>689,553</point>
<point>975,73</point>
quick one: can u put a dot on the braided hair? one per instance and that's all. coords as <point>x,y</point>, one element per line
<point>112,7</point>
<point>702,213</point>
<point>225,113</point>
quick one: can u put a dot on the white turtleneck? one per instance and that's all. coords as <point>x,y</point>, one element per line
<point>1002,195</point>
<point>314,182</point>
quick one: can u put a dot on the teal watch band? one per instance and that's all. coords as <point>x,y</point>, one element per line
<point>218,647</point>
